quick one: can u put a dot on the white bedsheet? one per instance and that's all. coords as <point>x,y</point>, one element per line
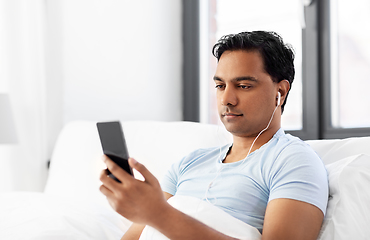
<point>39,216</point>
<point>209,215</point>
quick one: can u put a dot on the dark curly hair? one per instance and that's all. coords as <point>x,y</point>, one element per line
<point>277,56</point>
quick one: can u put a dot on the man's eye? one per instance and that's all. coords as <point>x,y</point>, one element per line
<point>219,86</point>
<point>245,86</point>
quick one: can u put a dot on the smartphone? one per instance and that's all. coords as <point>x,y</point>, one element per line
<point>114,145</point>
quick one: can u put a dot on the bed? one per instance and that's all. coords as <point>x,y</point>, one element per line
<point>72,207</point>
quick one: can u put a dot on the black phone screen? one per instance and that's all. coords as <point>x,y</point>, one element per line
<point>114,145</point>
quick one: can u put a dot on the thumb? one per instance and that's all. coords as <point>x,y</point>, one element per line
<point>148,176</point>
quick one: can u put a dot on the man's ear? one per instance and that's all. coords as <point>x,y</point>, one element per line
<point>283,88</point>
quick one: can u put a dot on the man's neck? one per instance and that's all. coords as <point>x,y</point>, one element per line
<point>243,145</point>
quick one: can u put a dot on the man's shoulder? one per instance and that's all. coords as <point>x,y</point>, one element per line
<point>285,150</point>
<point>295,144</point>
<point>292,150</point>
<point>290,142</point>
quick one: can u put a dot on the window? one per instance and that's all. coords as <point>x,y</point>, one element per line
<point>345,67</point>
<point>350,63</point>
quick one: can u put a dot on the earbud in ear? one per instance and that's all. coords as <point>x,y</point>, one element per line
<point>278,99</point>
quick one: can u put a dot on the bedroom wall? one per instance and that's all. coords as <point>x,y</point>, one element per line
<point>115,60</point>
<point>87,60</point>
<point>110,60</point>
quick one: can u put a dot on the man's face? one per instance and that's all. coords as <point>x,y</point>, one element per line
<point>246,94</point>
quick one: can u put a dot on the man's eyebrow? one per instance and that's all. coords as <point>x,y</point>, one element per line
<point>243,78</point>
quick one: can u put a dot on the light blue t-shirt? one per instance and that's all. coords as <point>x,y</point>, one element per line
<point>284,167</point>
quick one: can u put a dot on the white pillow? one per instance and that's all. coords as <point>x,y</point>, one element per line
<point>348,212</point>
<point>76,164</point>
<point>331,150</point>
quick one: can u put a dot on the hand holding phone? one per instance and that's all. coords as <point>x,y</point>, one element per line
<point>114,145</point>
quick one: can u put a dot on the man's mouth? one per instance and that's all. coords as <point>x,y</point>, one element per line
<point>230,114</point>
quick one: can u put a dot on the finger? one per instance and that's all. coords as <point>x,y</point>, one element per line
<point>149,177</point>
<point>108,182</point>
<point>106,191</point>
<point>117,171</point>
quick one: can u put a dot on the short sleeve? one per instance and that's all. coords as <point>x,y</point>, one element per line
<point>170,179</point>
<point>298,173</point>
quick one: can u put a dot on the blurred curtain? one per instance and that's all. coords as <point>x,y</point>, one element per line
<point>23,77</point>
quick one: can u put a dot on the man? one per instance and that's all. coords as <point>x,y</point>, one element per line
<point>265,178</point>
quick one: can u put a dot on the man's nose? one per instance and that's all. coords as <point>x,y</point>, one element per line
<point>229,97</point>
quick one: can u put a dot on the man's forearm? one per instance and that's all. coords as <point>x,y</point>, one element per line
<point>176,225</point>
<point>134,232</point>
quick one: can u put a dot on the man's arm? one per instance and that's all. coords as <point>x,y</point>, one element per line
<point>143,202</point>
<point>291,219</point>
<point>135,230</point>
